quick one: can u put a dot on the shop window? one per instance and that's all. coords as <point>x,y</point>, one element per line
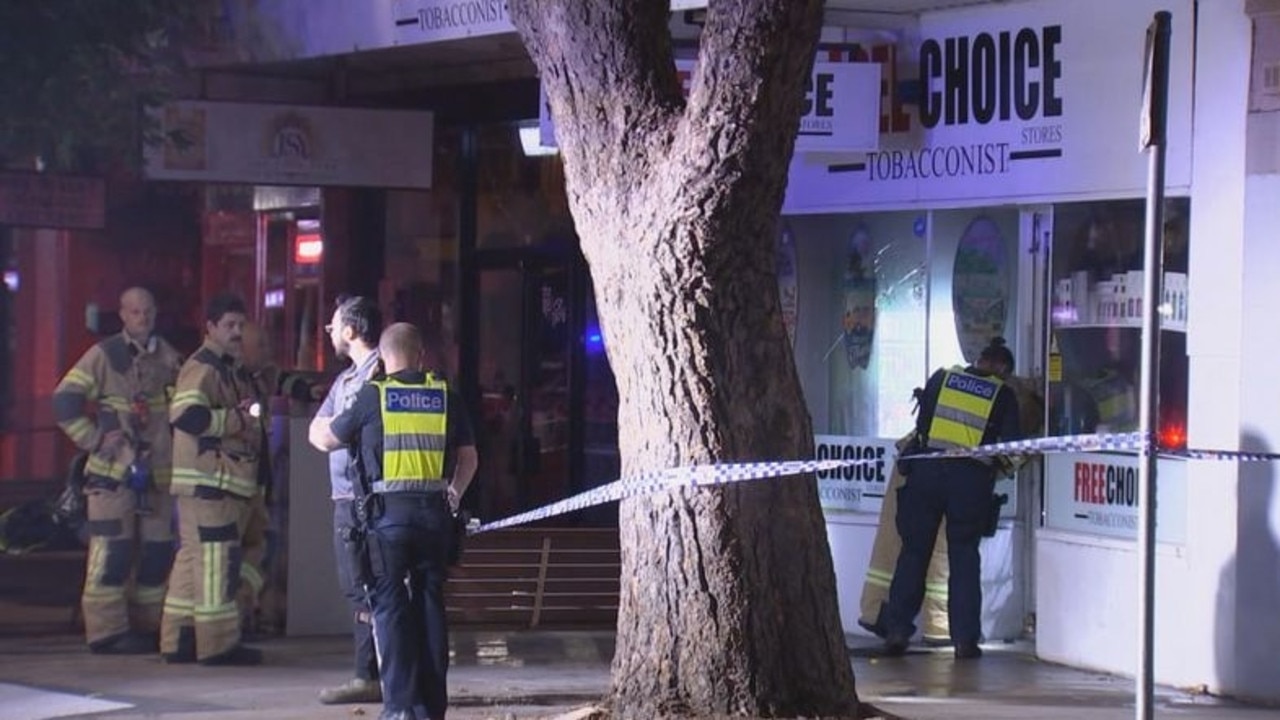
<point>1095,341</point>
<point>883,299</point>
<point>1096,319</point>
<point>879,301</point>
<point>860,329</point>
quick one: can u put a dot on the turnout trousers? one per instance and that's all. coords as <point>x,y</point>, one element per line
<point>128,563</point>
<point>255,551</point>
<point>884,558</point>
<point>203,587</point>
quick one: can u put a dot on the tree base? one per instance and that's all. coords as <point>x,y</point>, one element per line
<point>866,711</point>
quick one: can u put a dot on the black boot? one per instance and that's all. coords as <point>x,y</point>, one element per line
<point>895,645</point>
<point>238,655</point>
<point>186,652</point>
<point>126,643</point>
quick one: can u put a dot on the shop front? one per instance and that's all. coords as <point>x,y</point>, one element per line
<point>1006,198</point>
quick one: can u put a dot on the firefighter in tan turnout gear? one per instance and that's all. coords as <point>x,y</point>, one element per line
<point>129,377</point>
<point>217,441</point>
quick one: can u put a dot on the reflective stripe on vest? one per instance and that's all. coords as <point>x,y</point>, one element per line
<point>413,435</point>
<point>963,410</point>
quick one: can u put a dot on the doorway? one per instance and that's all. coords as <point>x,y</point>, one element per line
<point>548,405</point>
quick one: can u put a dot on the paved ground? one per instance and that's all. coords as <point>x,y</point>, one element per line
<point>533,674</point>
<point>45,672</point>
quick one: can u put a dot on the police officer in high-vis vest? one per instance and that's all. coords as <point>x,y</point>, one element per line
<point>217,421</point>
<point>406,432</point>
<point>129,377</point>
<point>961,408</point>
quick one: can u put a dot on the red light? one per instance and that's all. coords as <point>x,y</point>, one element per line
<point>1173,437</point>
<point>307,248</point>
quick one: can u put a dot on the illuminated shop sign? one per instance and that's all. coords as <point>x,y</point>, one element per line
<point>1038,98</point>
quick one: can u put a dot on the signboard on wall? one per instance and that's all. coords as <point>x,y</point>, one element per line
<point>840,104</point>
<point>52,201</point>
<point>1097,494</point>
<point>862,487</point>
<point>291,145</point>
<point>427,21</point>
<point>1031,99</point>
<point>265,31</point>
<point>856,488</point>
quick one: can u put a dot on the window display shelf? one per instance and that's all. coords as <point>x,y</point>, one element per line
<point>1122,326</point>
<point>1097,304</point>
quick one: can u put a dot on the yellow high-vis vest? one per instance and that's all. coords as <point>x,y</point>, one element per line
<point>1116,401</point>
<point>963,409</point>
<point>414,425</point>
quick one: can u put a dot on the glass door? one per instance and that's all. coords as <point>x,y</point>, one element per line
<point>525,360</point>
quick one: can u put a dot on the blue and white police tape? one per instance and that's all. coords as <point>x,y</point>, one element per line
<point>727,473</point>
<point>687,476</point>
<point>1093,442</point>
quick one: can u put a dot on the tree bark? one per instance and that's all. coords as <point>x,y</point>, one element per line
<point>728,602</point>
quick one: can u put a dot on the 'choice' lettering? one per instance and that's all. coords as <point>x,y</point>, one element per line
<point>992,77</point>
<point>818,94</point>
<point>871,472</point>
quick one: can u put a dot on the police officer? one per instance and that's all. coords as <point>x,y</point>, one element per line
<point>402,427</point>
<point>961,408</point>
<point>217,441</point>
<point>129,377</point>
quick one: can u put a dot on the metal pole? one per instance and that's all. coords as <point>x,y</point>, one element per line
<point>1156,93</point>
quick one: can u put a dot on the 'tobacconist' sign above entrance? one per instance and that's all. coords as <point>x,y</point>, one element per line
<point>419,21</point>
<point>428,21</point>
<point>1033,99</point>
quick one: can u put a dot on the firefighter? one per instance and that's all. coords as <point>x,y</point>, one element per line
<point>130,379</point>
<point>961,408</point>
<point>217,441</point>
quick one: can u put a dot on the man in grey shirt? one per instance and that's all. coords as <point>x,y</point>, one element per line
<point>354,332</point>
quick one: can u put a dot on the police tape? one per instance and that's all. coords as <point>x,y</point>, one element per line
<point>672,478</point>
<point>1092,442</point>
<point>692,476</point>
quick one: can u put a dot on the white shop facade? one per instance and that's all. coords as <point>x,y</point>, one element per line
<point>1006,197</point>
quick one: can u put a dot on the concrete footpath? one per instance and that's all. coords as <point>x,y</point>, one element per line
<point>531,674</point>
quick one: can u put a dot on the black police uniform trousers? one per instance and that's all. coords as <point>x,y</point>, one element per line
<point>961,491</point>
<point>410,538</point>
<point>365,654</point>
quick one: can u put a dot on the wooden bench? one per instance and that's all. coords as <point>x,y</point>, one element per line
<point>532,577</point>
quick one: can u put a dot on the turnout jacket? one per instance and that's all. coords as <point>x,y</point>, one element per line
<point>131,384</point>
<point>216,444</point>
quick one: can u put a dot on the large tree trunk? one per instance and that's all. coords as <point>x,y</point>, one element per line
<point>728,599</point>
